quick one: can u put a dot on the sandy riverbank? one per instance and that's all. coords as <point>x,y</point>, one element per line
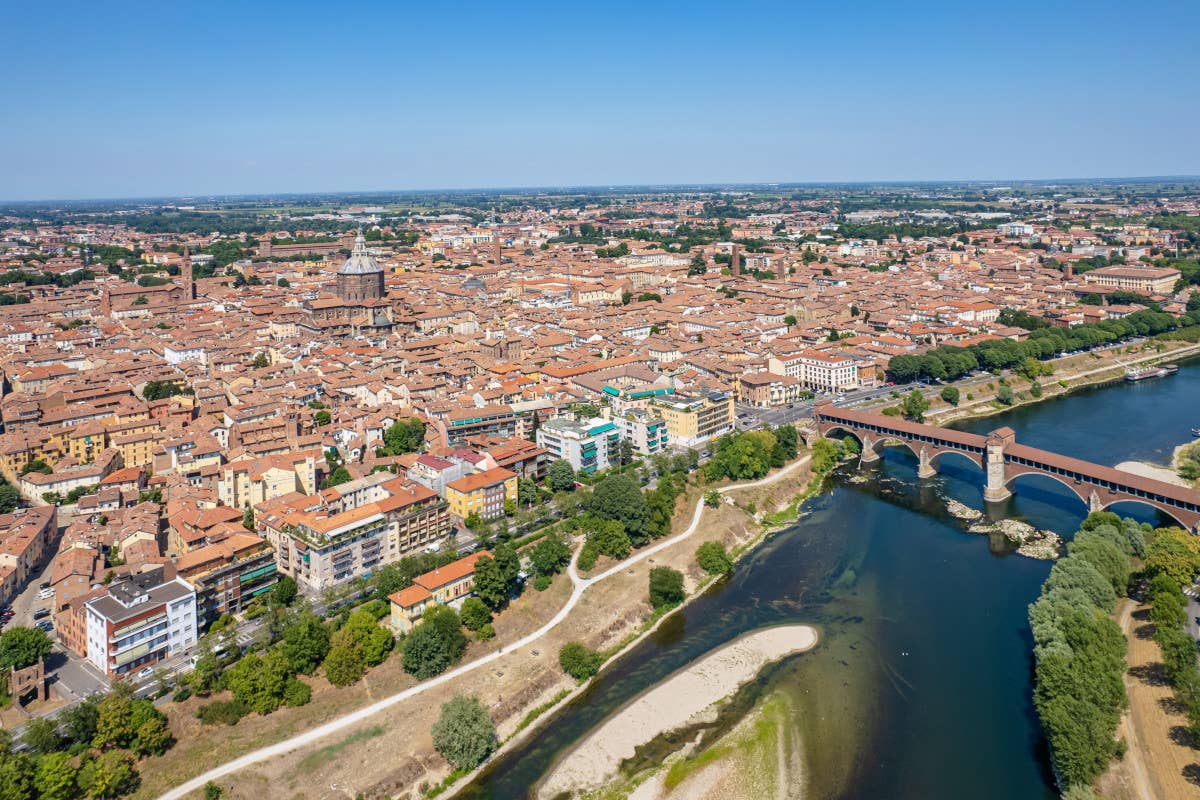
<point>1154,471</point>
<point>672,704</point>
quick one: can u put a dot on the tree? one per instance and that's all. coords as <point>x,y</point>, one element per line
<point>344,664</point>
<point>550,555</point>
<point>211,790</point>
<point>618,497</point>
<point>713,559</point>
<point>22,647</point>
<point>364,633</point>
<point>283,283</point>
<point>109,775</point>
<point>78,722</point>
<point>712,498</point>
<point>475,614</point>
<point>950,395</point>
<point>338,476</point>
<point>698,265</point>
<point>248,518</point>
<point>578,661</point>
<point>666,587</point>
<point>260,682</point>
<point>1005,394</point>
<point>153,737</point>
<point>464,734</point>
<point>284,592</point>
<point>789,320</point>
<point>322,418</point>
<point>915,405</point>
<point>560,476</point>
<point>491,585</point>
<point>10,498</point>
<point>114,722</point>
<point>36,465</point>
<point>261,360</point>
<point>405,436</point>
<point>55,778</point>
<point>41,735</point>
<point>435,643</point>
<point>1172,552</point>
<point>17,773</point>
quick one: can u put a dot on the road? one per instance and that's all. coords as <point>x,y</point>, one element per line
<point>579,586</point>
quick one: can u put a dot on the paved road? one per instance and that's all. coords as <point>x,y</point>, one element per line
<point>579,585</point>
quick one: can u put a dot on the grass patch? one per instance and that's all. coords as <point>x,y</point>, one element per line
<point>542,709</point>
<point>684,767</point>
<point>329,752</point>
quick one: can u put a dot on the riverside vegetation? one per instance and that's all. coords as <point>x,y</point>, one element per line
<point>1079,650</point>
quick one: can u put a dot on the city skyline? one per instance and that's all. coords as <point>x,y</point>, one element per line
<point>176,101</point>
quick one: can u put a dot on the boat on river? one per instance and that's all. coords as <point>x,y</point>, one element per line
<point>1145,373</point>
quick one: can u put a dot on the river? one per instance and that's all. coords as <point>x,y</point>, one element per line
<point>920,687</point>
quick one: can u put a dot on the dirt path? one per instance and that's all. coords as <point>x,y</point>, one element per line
<point>1159,764</point>
<point>347,721</point>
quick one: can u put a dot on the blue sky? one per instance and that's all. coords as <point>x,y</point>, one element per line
<point>150,99</point>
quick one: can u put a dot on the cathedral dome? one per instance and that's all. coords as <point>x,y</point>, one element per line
<point>360,262</point>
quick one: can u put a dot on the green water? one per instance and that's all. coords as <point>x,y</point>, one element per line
<point>920,687</point>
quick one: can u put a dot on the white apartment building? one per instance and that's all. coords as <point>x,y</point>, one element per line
<point>139,622</point>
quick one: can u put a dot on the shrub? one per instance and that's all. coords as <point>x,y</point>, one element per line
<point>464,734</point>
<point>666,587</point>
<point>578,661</point>
<point>181,695</point>
<point>713,559</point>
<point>712,498</point>
<point>219,712</point>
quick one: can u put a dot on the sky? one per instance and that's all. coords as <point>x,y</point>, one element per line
<point>154,99</point>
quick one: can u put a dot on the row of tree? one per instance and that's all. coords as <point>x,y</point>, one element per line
<point>947,363</point>
<point>1079,651</point>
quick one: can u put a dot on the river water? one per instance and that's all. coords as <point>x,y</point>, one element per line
<point>920,687</point>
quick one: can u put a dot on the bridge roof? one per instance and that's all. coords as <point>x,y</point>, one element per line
<point>853,417</point>
<point>1103,473</point>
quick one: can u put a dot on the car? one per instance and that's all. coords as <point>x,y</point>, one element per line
<point>45,625</point>
<point>41,612</point>
<point>145,672</point>
<point>45,594</point>
<point>44,585</point>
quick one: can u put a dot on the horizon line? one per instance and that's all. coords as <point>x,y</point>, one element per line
<point>607,187</point>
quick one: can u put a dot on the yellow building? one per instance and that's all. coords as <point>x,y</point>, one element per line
<point>695,419</point>
<point>1136,279</point>
<point>483,493</point>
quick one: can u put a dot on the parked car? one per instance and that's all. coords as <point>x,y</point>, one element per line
<point>45,594</point>
<point>41,612</point>
<point>45,625</point>
<point>44,585</point>
<point>145,672</point>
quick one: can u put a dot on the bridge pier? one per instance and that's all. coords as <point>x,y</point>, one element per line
<point>996,488</point>
<point>870,452</point>
<point>1094,503</point>
<point>925,467</point>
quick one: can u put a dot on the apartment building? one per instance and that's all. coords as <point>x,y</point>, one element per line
<point>768,389</point>
<point>588,445</point>
<point>646,432</point>
<point>817,370</point>
<point>140,621</point>
<point>228,574</point>
<point>693,419</point>
<point>324,541</point>
<point>250,481</point>
<point>483,493</point>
